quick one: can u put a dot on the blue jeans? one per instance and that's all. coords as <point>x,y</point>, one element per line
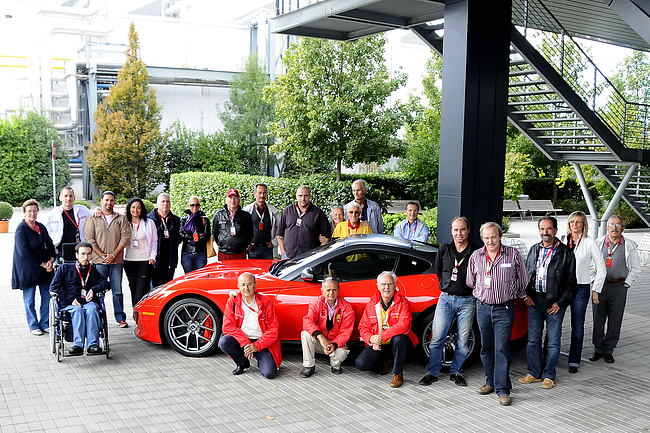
<point>449,306</point>
<point>537,315</point>
<point>578,313</point>
<point>29,298</point>
<point>192,262</point>
<point>260,253</point>
<point>495,323</point>
<point>229,345</point>
<point>85,323</point>
<point>113,273</point>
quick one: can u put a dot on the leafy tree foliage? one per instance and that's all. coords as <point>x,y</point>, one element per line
<point>246,115</point>
<point>127,151</point>
<point>331,104</point>
<point>189,150</point>
<point>25,159</point>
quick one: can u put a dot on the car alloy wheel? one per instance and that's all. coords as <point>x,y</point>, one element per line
<point>192,327</point>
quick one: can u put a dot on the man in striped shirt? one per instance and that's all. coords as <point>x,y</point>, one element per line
<point>498,276</point>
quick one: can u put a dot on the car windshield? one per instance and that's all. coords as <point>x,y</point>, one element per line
<point>287,267</point>
<point>425,248</point>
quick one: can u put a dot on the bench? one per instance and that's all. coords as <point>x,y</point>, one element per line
<point>512,207</point>
<point>531,206</point>
<point>398,206</point>
<point>644,249</point>
<point>518,244</point>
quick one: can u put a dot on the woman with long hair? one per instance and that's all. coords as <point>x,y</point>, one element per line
<point>140,254</point>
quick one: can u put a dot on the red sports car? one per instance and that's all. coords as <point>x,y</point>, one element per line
<point>187,311</point>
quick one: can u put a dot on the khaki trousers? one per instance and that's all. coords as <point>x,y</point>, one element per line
<point>311,346</point>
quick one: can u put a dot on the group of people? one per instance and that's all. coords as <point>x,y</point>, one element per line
<point>486,281</point>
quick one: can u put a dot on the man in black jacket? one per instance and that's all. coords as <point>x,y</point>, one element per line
<point>77,286</point>
<point>551,266</point>
<point>167,226</point>
<point>234,228</point>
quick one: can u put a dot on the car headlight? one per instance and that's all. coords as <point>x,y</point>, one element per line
<point>151,292</point>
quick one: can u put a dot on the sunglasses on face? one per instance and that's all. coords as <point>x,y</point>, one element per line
<point>194,205</point>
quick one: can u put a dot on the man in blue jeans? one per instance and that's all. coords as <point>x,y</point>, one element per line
<point>551,266</point>
<point>456,302</point>
<point>498,276</point>
<point>77,286</point>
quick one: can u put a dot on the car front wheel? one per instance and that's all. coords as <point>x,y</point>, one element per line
<point>192,327</point>
<point>450,343</point>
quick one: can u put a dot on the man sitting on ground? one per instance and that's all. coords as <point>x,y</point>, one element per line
<point>77,285</point>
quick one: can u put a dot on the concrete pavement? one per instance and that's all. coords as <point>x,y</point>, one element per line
<point>149,388</point>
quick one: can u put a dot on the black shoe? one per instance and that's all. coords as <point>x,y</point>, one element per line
<point>458,379</point>
<point>75,351</point>
<point>94,350</point>
<point>337,371</point>
<point>595,357</point>
<point>307,371</point>
<point>428,379</point>
<point>609,358</point>
<point>573,370</point>
<point>240,368</point>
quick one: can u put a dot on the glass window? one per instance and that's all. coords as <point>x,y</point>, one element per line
<point>409,265</point>
<point>357,265</point>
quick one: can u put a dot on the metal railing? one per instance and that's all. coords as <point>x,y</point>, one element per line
<point>286,6</point>
<point>629,121</point>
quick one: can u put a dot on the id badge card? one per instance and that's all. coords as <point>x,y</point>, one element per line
<point>261,226</point>
<point>488,281</point>
<point>232,231</point>
<point>83,293</point>
<point>77,238</point>
<point>298,222</point>
<point>195,238</point>
<point>166,233</point>
<point>608,263</point>
<point>454,274</point>
<point>384,327</point>
<point>135,243</point>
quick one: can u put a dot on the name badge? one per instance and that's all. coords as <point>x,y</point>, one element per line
<point>195,238</point>
<point>506,265</point>
<point>166,233</point>
<point>608,263</point>
<point>232,231</point>
<point>298,222</point>
<point>488,282</point>
<point>454,276</point>
<point>135,244</point>
<point>261,226</point>
<point>384,327</point>
<point>83,293</point>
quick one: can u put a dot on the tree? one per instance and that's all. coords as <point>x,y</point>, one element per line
<point>331,104</point>
<point>246,115</point>
<point>421,160</point>
<point>127,152</point>
<point>25,159</point>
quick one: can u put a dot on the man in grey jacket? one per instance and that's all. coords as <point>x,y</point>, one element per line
<point>370,210</point>
<point>265,225</point>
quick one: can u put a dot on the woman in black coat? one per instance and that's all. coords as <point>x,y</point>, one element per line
<point>32,266</point>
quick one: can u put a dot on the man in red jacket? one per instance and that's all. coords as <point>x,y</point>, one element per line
<point>386,329</point>
<point>251,329</point>
<point>326,329</point>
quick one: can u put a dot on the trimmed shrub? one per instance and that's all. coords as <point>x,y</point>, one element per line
<point>148,206</point>
<point>6,211</point>
<point>82,203</point>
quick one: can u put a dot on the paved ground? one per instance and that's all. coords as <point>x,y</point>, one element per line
<point>150,388</point>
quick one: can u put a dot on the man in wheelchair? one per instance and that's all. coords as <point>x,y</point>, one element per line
<point>77,285</point>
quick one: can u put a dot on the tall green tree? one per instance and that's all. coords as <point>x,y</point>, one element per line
<point>245,117</point>
<point>332,103</point>
<point>26,159</point>
<point>127,152</point>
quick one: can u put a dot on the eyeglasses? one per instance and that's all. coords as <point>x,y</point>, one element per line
<point>353,212</point>
<point>386,284</point>
<point>242,285</point>
<point>618,226</point>
<point>194,205</point>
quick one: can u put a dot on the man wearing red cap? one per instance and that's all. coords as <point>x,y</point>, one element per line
<point>233,228</point>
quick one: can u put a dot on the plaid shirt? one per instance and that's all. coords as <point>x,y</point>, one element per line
<point>508,276</point>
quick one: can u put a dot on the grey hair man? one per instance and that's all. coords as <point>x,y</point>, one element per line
<point>370,211</point>
<point>167,226</point>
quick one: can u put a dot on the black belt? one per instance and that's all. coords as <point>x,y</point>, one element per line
<point>619,280</point>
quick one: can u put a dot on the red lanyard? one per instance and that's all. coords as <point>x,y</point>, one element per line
<point>350,226</point>
<point>487,260</point>
<point>137,228</point>
<point>258,212</point>
<point>248,306</point>
<point>415,225</point>
<point>300,215</point>
<point>608,252</point>
<point>163,220</point>
<point>572,244</point>
<point>232,216</point>
<point>84,282</point>
<point>105,220</point>
<point>555,245</point>
<point>71,219</point>
<point>37,229</point>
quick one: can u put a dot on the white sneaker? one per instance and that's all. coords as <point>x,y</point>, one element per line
<point>36,332</point>
<point>46,330</point>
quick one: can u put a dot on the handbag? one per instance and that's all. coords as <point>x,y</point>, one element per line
<point>209,247</point>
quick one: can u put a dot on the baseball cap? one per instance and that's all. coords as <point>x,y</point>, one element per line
<point>232,192</point>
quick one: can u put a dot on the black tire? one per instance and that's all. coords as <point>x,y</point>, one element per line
<point>192,327</point>
<point>104,334</point>
<point>54,323</point>
<point>450,343</point>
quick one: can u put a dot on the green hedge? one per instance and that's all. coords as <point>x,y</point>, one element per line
<point>211,188</point>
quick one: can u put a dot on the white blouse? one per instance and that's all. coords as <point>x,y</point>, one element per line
<point>588,256</point>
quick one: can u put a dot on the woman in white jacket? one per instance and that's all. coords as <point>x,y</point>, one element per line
<point>140,254</point>
<point>587,256</point>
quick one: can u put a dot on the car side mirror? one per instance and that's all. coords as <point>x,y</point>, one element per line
<point>307,274</point>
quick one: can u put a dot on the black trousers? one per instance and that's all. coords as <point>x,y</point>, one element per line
<point>139,276</point>
<point>371,359</point>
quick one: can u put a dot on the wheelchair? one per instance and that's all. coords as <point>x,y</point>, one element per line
<point>61,321</point>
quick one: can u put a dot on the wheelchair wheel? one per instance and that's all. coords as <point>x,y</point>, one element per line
<point>103,332</point>
<point>54,323</point>
<point>58,349</point>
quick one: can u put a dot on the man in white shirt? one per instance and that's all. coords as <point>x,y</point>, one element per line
<point>65,223</point>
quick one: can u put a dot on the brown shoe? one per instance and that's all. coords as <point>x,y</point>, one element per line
<point>609,358</point>
<point>529,378</point>
<point>386,368</point>
<point>485,390</point>
<point>504,400</point>
<point>398,380</point>
<point>548,383</point>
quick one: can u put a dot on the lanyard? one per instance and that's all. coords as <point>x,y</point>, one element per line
<point>300,215</point>
<point>457,263</point>
<point>163,220</point>
<point>105,220</point>
<point>545,261</point>
<point>83,282</point>
<point>71,219</point>
<point>37,228</point>
<point>258,212</point>
<point>573,245</point>
<point>249,307</point>
<point>609,253</point>
<point>350,226</point>
<point>135,235</point>
<point>411,233</point>
<point>488,262</point>
<point>385,324</point>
